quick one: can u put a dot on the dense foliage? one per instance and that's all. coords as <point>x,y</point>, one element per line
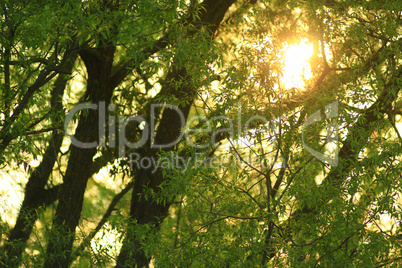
<point>163,133</point>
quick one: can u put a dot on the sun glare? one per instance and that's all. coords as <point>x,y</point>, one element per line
<point>296,66</point>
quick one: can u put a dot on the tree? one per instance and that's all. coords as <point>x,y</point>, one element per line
<point>225,163</point>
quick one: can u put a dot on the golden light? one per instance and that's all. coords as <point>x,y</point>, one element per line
<point>296,64</point>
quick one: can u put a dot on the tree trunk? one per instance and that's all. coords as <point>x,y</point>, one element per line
<point>35,193</point>
<point>99,63</point>
<point>150,211</point>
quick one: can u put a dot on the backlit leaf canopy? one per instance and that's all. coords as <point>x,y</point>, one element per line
<point>262,167</point>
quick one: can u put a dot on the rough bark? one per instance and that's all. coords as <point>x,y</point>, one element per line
<point>99,63</point>
<point>150,211</point>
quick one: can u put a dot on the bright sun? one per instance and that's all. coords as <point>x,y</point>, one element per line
<point>297,68</point>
